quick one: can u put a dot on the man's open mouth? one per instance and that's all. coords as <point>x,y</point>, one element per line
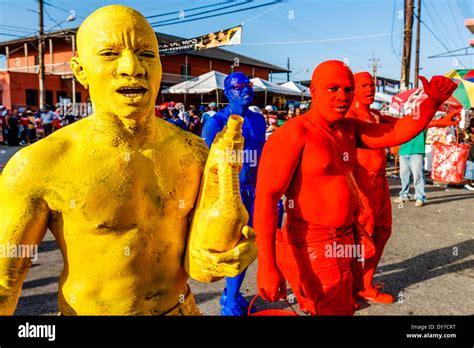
<point>132,92</point>
<point>341,108</point>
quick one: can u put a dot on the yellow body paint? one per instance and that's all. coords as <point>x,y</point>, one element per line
<point>118,189</point>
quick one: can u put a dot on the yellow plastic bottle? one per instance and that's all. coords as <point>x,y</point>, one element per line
<point>220,214</point>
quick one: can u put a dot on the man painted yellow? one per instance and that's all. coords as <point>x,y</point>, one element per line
<point>116,189</point>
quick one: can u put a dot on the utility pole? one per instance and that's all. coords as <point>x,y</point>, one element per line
<point>417,49</point>
<point>406,57</point>
<point>288,68</point>
<point>374,65</point>
<point>41,54</point>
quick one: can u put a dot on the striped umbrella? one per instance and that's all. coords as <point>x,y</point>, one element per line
<point>465,91</point>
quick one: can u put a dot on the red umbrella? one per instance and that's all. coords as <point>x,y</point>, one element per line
<point>405,102</point>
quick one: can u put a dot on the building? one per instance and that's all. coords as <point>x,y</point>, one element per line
<point>19,80</point>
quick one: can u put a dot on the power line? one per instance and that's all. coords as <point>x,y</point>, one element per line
<point>437,38</point>
<point>182,14</point>
<point>317,40</point>
<point>261,14</point>
<point>17,27</point>
<point>196,8</point>
<point>47,13</point>
<point>17,36</point>
<point>455,21</point>
<point>13,29</point>
<point>391,35</point>
<point>179,21</point>
<point>16,6</point>
<point>64,10</point>
<point>436,22</point>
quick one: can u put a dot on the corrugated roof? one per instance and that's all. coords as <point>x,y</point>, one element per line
<point>213,53</point>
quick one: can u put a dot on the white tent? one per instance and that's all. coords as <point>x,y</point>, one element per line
<point>297,87</point>
<point>261,85</point>
<point>206,83</point>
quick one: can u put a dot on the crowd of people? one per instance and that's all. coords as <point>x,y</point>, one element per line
<point>193,119</point>
<point>22,126</point>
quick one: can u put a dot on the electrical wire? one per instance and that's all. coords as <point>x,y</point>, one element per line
<point>179,21</point>
<point>195,8</point>
<point>391,35</point>
<point>16,6</point>
<point>317,40</point>
<point>64,10</point>
<point>198,14</point>
<point>437,38</point>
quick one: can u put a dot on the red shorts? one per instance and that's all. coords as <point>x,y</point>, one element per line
<point>320,279</point>
<point>375,200</point>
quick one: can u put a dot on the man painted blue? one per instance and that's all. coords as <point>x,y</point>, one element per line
<point>238,90</point>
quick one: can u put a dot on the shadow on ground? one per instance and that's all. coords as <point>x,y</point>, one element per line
<point>38,304</point>
<point>427,266</point>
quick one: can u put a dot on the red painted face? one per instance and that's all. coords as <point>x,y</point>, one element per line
<point>364,88</point>
<point>332,89</point>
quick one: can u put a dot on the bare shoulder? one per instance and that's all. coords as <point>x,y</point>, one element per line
<point>40,155</point>
<point>294,129</point>
<point>184,145</point>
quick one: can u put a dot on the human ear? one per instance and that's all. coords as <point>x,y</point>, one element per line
<point>78,71</point>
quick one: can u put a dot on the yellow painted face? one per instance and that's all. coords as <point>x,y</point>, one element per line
<point>118,61</point>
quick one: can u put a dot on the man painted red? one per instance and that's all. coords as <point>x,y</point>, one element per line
<point>370,175</point>
<point>310,160</point>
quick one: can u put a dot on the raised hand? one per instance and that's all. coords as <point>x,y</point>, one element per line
<point>439,88</point>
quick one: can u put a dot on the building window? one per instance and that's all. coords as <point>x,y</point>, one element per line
<point>49,98</point>
<point>37,59</point>
<point>61,95</point>
<point>183,70</point>
<point>78,97</point>
<point>32,97</point>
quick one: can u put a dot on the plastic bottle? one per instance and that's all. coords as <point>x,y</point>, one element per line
<point>220,214</point>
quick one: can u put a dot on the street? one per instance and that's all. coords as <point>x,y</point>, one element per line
<point>428,263</point>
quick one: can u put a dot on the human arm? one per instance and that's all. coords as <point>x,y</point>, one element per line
<point>7,118</point>
<point>210,129</point>
<point>274,177</point>
<point>370,135</point>
<point>23,223</point>
<point>451,119</point>
<point>388,119</point>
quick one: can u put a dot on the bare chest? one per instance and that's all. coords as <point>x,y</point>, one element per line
<point>120,189</point>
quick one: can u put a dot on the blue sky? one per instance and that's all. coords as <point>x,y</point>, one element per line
<point>306,31</point>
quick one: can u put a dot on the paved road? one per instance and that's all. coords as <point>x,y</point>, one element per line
<point>428,262</point>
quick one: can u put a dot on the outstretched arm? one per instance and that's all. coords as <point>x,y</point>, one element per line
<point>450,119</point>
<point>372,135</point>
<point>23,223</point>
<point>274,177</point>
